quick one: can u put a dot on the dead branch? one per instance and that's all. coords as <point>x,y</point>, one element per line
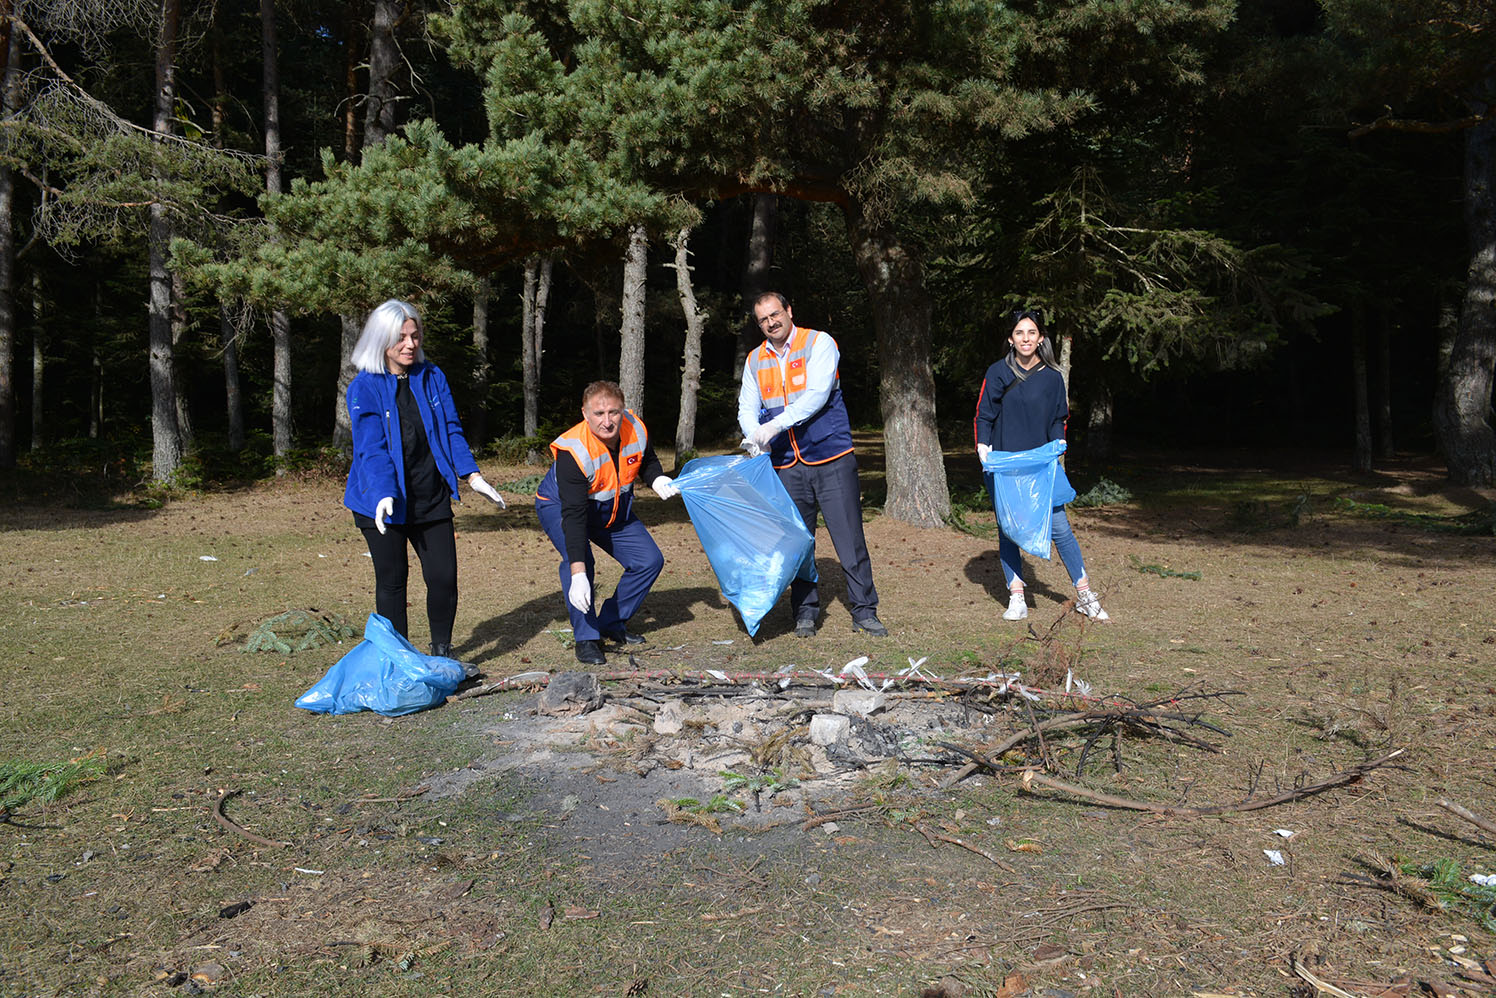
<point>1342,778</point>
<point>1394,880</point>
<point>933,837</point>
<point>826,816</point>
<point>1460,812</point>
<point>223,820</point>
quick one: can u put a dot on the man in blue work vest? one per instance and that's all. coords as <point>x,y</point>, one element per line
<point>790,407</point>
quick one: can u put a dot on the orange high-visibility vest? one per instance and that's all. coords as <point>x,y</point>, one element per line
<point>606,482</point>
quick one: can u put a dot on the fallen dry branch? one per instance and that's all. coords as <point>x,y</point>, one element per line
<point>821,819</point>
<point>934,837</point>
<point>1390,878</point>
<point>240,830</point>
<point>1342,778</point>
<point>1474,819</point>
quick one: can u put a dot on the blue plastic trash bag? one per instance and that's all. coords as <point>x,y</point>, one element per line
<point>748,525</point>
<point>383,673</point>
<point>1027,485</point>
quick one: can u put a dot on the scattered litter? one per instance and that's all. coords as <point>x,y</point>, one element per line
<point>727,642</point>
<point>368,555</point>
<point>250,571</point>
<point>206,557</point>
<point>302,869</point>
<point>1483,879</point>
<point>1274,857</point>
<point>229,911</point>
<point>1284,833</point>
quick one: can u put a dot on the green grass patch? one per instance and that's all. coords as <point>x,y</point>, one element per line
<point>1479,523</point>
<point>1162,571</point>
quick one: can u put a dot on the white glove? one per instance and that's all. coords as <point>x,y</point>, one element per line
<point>580,593</point>
<point>750,448</point>
<point>664,487</point>
<point>478,485</point>
<point>385,507</point>
<point>982,451</point>
<point>764,433</point>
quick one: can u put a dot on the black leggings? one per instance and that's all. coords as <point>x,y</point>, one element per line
<point>436,546</point>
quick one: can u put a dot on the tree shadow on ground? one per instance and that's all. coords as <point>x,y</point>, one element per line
<point>986,571</point>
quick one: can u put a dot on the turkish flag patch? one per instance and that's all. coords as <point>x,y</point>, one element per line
<point>633,459</point>
<point>796,364</point>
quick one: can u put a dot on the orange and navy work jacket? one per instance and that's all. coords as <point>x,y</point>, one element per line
<point>610,487</point>
<point>823,437</point>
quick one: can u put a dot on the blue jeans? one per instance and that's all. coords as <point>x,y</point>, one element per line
<point>631,546</point>
<point>1064,542</point>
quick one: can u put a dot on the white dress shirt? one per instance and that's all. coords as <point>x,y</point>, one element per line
<point>820,377</point>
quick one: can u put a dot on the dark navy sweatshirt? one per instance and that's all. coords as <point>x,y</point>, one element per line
<point>1015,415</point>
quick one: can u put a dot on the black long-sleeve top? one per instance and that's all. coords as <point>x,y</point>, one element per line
<point>1015,415</point>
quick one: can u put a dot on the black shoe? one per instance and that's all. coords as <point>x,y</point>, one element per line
<point>870,625</point>
<point>624,638</point>
<point>441,651</point>
<point>590,653</point>
<point>805,627</point>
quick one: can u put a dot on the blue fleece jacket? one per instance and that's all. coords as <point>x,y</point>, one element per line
<point>378,463</point>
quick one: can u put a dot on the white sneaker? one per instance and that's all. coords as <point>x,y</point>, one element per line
<point>1017,608</point>
<point>1088,605</point>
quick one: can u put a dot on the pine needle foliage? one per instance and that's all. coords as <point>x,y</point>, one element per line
<point>22,782</point>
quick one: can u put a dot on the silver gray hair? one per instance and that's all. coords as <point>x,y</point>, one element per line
<point>382,331</point>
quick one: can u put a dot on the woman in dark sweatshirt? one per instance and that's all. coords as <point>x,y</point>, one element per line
<point>1022,406</point>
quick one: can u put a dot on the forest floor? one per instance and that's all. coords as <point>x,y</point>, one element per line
<point>671,842</point>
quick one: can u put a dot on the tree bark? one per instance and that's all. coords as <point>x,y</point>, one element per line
<point>481,368</point>
<point>228,339</point>
<point>1361,452</point>
<point>542,302</point>
<point>38,365</point>
<point>351,48</point>
<point>756,274</point>
<point>282,432</point>
<point>894,278</point>
<point>631,329</point>
<point>690,371</point>
<point>179,377</point>
<point>1462,414</point>
<point>1098,442</point>
<point>166,449</point>
<point>9,84</point>
<point>342,432</point>
<point>384,61</point>
<point>233,394</point>
<point>529,356</point>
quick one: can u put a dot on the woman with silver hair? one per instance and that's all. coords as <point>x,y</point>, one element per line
<point>408,453</point>
<point>1022,406</point>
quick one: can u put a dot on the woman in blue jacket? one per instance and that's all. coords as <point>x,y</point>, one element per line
<point>408,452</point>
<point>1022,406</point>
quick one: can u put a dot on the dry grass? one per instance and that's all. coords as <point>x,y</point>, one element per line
<point>1346,635</point>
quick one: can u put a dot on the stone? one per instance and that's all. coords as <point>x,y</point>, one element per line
<point>863,703</point>
<point>670,720</point>
<point>829,729</point>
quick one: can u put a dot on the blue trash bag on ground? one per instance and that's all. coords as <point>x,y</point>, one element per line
<point>1027,485</point>
<point>383,673</point>
<point>749,528</point>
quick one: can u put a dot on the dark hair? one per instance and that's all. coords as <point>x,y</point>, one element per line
<point>766,295</point>
<point>1046,347</point>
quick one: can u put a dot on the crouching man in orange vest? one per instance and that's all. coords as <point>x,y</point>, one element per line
<point>790,407</point>
<point>587,498</point>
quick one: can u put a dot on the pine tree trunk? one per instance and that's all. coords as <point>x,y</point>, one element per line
<point>38,366</point>
<point>166,449</point>
<point>1386,446</point>
<point>631,330</point>
<point>1098,442</point>
<point>351,50</point>
<point>178,348</point>
<point>10,54</point>
<point>1462,414</point>
<point>282,432</point>
<point>228,340</point>
<point>756,274</point>
<point>233,394</point>
<point>478,433</point>
<point>542,302</point>
<point>384,61</point>
<point>342,432</point>
<point>96,396</point>
<point>690,371</point>
<point>1361,453</point>
<point>917,491</point>
<point>529,356</point>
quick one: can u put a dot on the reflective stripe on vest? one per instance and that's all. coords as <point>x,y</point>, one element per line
<point>605,480</point>
<point>772,378</point>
